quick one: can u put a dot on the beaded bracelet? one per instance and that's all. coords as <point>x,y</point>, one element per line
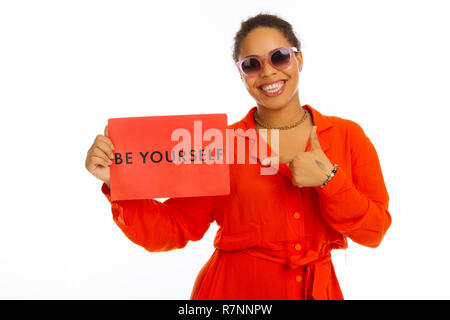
<point>333,172</point>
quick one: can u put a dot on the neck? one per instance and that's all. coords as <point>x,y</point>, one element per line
<point>282,116</point>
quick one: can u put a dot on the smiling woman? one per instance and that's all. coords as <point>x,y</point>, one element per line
<point>276,231</point>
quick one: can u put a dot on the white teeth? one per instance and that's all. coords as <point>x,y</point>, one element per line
<point>273,87</point>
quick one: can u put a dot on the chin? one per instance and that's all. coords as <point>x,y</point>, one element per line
<point>273,105</point>
<point>274,102</point>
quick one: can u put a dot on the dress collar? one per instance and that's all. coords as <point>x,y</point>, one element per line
<point>248,122</point>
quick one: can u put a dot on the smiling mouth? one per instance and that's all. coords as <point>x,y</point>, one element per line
<point>274,87</point>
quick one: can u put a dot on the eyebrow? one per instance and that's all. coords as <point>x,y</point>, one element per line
<point>250,55</point>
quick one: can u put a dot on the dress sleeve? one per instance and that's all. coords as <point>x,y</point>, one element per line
<point>358,207</point>
<point>162,226</point>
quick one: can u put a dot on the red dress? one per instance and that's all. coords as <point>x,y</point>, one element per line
<point>275,239</point>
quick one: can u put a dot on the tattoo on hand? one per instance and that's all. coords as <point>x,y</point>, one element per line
<point>321,165</point>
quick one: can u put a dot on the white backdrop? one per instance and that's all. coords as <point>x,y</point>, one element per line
<point>68,66</point>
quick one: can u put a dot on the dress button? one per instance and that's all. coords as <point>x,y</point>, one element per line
<point>298,247</point>
<point>296,215</point>
<point>298,278</point>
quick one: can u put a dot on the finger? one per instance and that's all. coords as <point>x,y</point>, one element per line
<point>94,162</point>
<point>295,184</point>
<point>100,161</point>
<point>100,153</point>
<point>315,144</point>
<point>280,159</point>
<point>106,148</point>
<point>105,139</point>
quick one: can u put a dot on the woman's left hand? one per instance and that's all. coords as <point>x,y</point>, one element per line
<point>308,169</point>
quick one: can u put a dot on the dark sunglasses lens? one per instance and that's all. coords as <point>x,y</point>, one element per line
<point>280,58</point>
<point>251,66</point>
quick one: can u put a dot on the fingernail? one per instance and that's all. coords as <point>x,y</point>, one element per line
<point>110,162</point>
<point>112,147</point>
<point>111,155</point>
<point>265,162</point>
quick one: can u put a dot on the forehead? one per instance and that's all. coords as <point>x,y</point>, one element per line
<point>261,40</point>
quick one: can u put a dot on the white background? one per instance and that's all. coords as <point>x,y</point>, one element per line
<point>68,66</point>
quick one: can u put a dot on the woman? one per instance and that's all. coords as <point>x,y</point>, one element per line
<point>276,231</point>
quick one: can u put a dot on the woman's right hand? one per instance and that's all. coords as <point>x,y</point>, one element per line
<point>99,157</point>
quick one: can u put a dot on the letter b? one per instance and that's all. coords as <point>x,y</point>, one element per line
<point>118,158</point>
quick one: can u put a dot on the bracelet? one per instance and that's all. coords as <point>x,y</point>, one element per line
<point>329,176</point>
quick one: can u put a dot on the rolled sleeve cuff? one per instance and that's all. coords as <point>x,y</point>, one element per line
<point>106,191</point>
<point>334,185</point>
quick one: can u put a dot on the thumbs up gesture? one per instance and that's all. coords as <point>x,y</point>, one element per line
<point>308,169</point>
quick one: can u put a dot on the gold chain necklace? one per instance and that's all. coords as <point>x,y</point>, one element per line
<point>284,127</point>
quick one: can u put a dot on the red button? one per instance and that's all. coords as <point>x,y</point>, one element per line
<point>298,278</point>
<point>296,215</point>
<point>298,247</point>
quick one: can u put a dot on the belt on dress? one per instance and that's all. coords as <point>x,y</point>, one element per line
<point>317,268</point>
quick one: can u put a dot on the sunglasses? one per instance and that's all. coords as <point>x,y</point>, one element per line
<point>280,58</point>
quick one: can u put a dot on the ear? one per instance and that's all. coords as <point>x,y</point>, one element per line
<point>299,61</point>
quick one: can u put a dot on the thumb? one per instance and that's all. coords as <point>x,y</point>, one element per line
<point>315,144</point>
<point>106,130</point>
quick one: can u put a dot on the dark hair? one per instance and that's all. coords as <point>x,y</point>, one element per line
<point>264,20</point>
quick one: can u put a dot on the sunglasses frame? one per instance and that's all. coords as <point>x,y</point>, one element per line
<point>269,59</point>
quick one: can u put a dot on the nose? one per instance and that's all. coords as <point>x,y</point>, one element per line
<point>267,69</point>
